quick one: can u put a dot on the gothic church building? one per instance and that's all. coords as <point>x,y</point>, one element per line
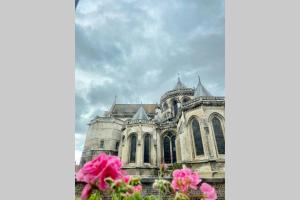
<point>186,127</point>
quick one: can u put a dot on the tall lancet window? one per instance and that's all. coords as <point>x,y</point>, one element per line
<point>219,135</point>
<point>173,140</point>
<point>175,107</point>
<point>169,148</point>
<point>147,143</point>
<point>132,154</point>
<point>197,137</point>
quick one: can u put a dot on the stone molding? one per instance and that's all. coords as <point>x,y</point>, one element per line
<point>175,93</point>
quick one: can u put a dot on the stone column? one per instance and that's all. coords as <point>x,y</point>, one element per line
<point>139,147</point>
<point>158,147</point>
<point>153,147</point>
<point>205,140</point>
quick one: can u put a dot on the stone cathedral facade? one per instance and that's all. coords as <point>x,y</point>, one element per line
<point>186,127</point>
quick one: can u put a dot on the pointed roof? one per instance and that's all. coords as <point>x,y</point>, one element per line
<point>179,85</point>
<point>201,90</point>
<point>140,114</point>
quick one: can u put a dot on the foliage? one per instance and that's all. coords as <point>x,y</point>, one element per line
<point>104,174</point>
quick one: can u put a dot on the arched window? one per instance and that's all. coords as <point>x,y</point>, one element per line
<point>175,108</point>
<point>173,140</point>
<point>147,143</point>
<point>197,137</point>
<point>169,148</point>
<point>219,135</point>
<point>165,106</point>
<point>132,148</point>
<point>167,152</point>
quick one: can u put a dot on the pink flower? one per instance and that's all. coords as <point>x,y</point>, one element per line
<point>126,179</point>
<point>208,191</point>
<point>183,179</point>
<point>94,172</point>
<point>86,192</point>
<point>137,188</point>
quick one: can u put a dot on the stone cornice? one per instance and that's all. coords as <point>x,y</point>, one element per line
<point>200,101</point>
<point>205,101</point>
<point>167,125</point>
<point>139,122</point>
<point>106,119</point>
<point>174,93</point>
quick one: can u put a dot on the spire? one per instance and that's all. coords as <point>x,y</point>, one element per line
<point>179,84</point>
<point>112,106</point>
<point>140,114</point>
<point>200,89</point>
<point>115,100</point>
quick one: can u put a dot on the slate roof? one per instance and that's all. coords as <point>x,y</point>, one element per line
<point>133,108</point>
<point>200,90</point>
<point>179,85</point>
<point>140,114</point>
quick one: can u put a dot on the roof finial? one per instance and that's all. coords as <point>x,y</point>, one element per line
<point>179,84</point>
<point>115,98</point>
<point>199,78</point>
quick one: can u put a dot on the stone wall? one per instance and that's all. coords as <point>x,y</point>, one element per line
<point>219,184</point>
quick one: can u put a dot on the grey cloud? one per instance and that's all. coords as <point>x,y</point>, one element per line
<point>142,45</point>
<point>80,108</point>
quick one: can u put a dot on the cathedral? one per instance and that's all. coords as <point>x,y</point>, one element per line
<point>186,127</point>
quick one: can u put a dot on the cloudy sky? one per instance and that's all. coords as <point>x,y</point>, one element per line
<point>135,48</point>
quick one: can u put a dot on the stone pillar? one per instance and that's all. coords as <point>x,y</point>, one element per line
<point>158,147</point>
<point>186,145</point>
<point>139,147</point>
<point>153,158</point>
<point>178,149</point>
<point>205,140</point>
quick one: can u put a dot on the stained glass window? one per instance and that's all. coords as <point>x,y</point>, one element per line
<point>197,137</point>
<point>132,148</point>
<point>219,135</point>
<point>173,149</point>
<point>147,149</point>
<point>167,150</point>
<point>175,107</point>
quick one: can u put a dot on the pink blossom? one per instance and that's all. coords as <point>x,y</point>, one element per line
<point>183,179</point>
<point>94,172</point>
<point>126,178</point>
<point>208,191</point>
<point>137,188</point>
<point>86,192</point>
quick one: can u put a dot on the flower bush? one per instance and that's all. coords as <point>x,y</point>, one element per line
<point>104,174</point>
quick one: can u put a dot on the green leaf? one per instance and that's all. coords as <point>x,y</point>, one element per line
<point>95,196</point>
<point>151,197</point>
